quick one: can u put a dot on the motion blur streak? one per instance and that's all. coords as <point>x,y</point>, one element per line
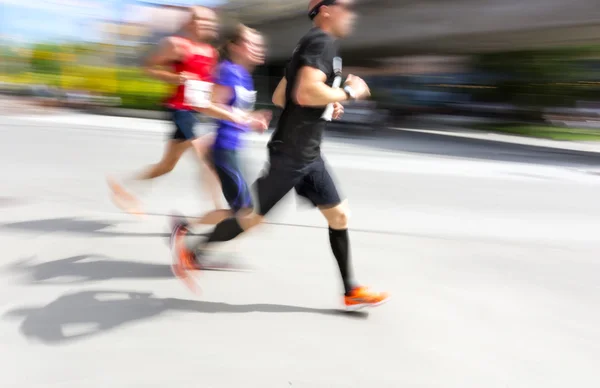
<point>473,173</point>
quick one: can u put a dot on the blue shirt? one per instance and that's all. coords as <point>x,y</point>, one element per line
<point>239,80</point>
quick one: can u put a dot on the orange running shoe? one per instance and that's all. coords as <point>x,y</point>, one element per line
<point>184,260</point>
<point>361,297</point>
<point>123,199</point>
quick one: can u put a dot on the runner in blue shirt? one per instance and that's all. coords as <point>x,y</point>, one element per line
<point>234,89</point>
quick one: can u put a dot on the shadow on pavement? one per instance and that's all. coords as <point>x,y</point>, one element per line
<point>85,314</point>
<point>88,268</point>
<point>74,226</point>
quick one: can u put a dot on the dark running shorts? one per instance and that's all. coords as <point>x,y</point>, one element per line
<point>310,180</point>
<point>185,121</point>
<point>234,186</point>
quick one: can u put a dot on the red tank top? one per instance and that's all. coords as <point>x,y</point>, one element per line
<point>195,61</point>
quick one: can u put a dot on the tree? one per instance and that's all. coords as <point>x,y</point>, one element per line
<point>540,78</point>
<point>45,58</point>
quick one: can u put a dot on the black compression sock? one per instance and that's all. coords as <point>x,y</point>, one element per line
<point>340,245</point>
<point>225,231</point>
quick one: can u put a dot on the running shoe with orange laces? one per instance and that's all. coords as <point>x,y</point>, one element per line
<point>176,220</point>
<point>184,260</point>
<point>362,297</point>
<point>191,261</point>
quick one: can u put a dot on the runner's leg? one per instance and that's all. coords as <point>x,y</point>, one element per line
<point>235,190</point>
<point>226,166</point>
<point>281,176</point>
<point>173,152</point>
<point>337,218</point>
<point>319,187</point>
<point>180,141</point>
<point>210,180</point>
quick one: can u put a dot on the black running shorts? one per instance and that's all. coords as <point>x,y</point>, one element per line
<point>310,180</point>
<point>185,121</point>
<point>233,184</point>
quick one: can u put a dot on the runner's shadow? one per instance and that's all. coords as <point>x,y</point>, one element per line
<point>88,268</point>
<point>86,314</point>
<point>77,226</point>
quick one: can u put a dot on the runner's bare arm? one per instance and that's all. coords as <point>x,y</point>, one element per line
<point>218,109</point>
<point>311,89</point>
<point>222,95</point>
<point>168,51</point>
<point>279,94</point>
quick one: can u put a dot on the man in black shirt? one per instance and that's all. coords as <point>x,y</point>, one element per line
<point>310,96</point>
<point>301,127</point>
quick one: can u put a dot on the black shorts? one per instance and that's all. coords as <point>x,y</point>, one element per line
<point>234,186</point>
<point>185,121</point>
<point>310,180</point>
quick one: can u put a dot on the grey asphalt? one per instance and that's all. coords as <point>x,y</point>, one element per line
<point>490,253</point>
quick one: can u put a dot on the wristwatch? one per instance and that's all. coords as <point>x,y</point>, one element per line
<point>350,92</point>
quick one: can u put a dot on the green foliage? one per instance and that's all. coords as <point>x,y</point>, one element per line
<point>135,89</point>
<point>541,78</point>
<point>64,66</point>
<point>44,58</point>
<point>544,131</point>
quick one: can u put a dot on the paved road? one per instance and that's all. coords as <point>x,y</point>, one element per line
<point>493,264</point>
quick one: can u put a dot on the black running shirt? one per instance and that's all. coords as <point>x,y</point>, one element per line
<point>300,129</point>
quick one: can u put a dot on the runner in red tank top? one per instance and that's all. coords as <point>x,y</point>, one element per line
<point>180,60</point>
<point>198,61</point>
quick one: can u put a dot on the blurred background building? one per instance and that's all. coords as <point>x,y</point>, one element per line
<point>515,59</point>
